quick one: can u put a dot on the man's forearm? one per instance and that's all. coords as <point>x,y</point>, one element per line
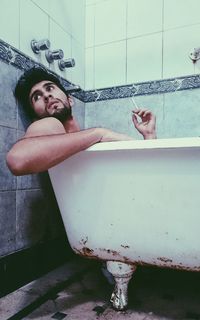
<point>36,154</point>
<point>39,153</point>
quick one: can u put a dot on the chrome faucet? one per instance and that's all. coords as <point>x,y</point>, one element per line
<point>195,54</point>
<point>66,63</point>
<point>54,55</point>
<point>40,45</point>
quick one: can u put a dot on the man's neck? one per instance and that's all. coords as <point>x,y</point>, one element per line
<point>71,125</point>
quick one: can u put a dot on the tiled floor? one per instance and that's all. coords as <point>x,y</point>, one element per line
<point>153,294</point>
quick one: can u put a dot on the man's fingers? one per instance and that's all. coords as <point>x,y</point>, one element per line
<point>135,120</point>
<point>142,112</point>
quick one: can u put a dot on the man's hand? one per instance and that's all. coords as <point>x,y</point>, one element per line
<point>146,125</point>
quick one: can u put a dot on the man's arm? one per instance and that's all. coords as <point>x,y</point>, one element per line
<point>46,144</point>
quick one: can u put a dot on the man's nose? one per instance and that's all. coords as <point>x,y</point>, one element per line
<point>47,95</point>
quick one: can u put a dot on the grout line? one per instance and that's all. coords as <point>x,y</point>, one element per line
<point>126,63</point>
<point>19,12</point>
<point>94,56</point>
<point>162,67</point>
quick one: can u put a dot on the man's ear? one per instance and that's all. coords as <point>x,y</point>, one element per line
<point>71,100</point>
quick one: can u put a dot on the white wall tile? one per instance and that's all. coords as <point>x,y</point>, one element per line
<point>70,15</point>
<point>151,54</point>
<point>77,17</point>
<point>43,4</point>
<point>60,12</point>
<point>89,26</point>
<point>89,69</point>
<point>144,58</point>
<point>110,21</point>
<point>110,64</point>
<point>60,40</point>
<point>78,71</point>
<point>67,32</point>
<point>144,16</point>
<point>9,22</point>
<point>33,25</point>
<point>181,12</point>
<point>177,46</point>
<point>89,2</point>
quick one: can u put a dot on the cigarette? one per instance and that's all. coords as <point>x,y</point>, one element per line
<point>134,103</point>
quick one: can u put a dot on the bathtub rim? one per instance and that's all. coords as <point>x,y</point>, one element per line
<point>188,142</point>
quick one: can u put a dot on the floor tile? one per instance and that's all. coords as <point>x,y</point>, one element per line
<point>154,294</point>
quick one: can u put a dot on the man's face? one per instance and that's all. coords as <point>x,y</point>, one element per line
<point>48,100</point>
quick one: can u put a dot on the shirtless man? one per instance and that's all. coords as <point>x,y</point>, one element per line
<point>55,134</point>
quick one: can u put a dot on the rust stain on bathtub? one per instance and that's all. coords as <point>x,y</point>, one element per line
<point>163,259</point>
<point>160,262</point>
<point>125,246</point>
<point>83,241</point>
<point>90,253</point>
<point>113,252</point>
<point>86,252</point>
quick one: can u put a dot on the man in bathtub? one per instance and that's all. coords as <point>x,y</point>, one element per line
<point>54,134</point>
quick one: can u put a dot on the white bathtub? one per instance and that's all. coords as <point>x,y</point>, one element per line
<point>133,203</point>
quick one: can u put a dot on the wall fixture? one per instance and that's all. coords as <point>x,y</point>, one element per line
<point>40,45</point>
<point>54,55</point>
<point>66,63</point>
<point>195,54</point>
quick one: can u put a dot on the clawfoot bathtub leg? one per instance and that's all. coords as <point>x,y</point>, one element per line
<point>122,272</point>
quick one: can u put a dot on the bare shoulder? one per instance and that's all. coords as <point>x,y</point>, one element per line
<point>45,126</point>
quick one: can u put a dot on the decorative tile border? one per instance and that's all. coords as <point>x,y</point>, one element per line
<point>144,88</point>
<point>16,58</point>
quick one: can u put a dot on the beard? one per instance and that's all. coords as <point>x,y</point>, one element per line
<point>63,114</point>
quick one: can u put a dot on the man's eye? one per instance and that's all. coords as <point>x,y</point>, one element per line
<point>37,96</point>
<point>49,88</point>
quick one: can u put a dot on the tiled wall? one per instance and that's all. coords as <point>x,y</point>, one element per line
<point>28,211</point>
<point>62,22</point>
<point>129,41</point>
<point>177,114</point>
<point>25,218</point>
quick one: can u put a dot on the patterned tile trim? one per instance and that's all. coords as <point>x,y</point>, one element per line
<point>144,88</point>
<point>16,58</point>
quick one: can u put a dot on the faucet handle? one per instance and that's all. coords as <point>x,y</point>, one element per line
<point>195,54</point>
<point>66,63</point>
<point>54,55</point>
<point>37,46</point>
